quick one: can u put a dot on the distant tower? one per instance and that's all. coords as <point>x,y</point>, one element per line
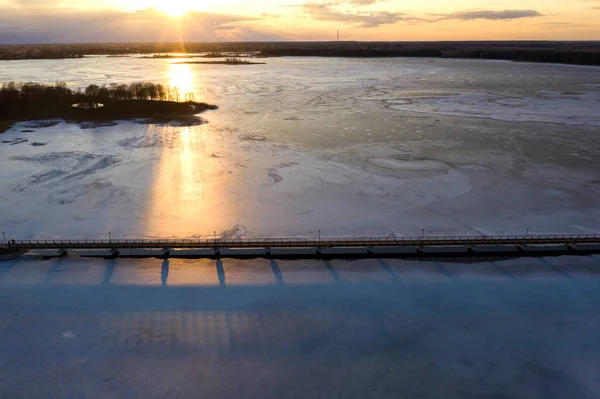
<point>338,38</point>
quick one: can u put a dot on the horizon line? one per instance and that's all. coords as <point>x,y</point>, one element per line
<point>308,41</point>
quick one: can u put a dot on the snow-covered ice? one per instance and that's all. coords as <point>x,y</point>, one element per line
<point>348,147</point>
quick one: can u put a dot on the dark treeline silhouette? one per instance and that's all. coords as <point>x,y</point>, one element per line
<point>358,52</point>
<point>15,97</point>
<point>580,52</point>
<point>508,54</point>
<point>39,53</point>
<point>227,55</point>
<point>135,91</point>
<point>26,101</point>
<point>226,61</point>
<point>550,56</point>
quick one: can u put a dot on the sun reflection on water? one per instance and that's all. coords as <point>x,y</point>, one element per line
<point>181,198</point>
<point>189,189</point>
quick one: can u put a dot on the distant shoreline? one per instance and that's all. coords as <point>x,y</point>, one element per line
<point>536,56</point>
<point>573,53</point>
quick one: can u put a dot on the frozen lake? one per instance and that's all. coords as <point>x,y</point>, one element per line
<point>350,147</point>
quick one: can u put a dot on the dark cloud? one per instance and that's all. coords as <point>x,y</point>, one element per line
<point>492,15</point>
<point>341,11</point>
<point>114,26</point>
<point>363,19</point>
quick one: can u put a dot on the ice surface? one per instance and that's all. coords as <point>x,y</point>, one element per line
<point>348,147</point>
<point>547,107</point>
<point>391,163</point>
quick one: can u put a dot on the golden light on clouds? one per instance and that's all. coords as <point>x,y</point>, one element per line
<point>178,8</point>
<point>174,8</point>
<point>304,20</point>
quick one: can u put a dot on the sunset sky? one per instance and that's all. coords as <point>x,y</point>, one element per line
<point>48,21</point>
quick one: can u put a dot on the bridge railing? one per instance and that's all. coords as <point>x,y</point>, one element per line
<point>295,241</point>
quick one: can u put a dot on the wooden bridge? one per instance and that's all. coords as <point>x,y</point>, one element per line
<point>340,247</point>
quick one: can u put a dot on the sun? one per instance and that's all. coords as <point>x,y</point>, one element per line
<point>175,8</point>
<point>178,8</point>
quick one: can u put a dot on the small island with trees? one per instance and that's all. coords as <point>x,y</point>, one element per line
<point>226,61</point>
<point>21,102</point>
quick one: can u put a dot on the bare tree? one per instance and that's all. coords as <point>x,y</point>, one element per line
<point>189,96</point>
<point>161,92</point>
<point>175,94</point>
<point>92,90</point>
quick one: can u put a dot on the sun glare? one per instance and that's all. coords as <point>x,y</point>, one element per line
<point>182,78</point>
<point>175,8</point>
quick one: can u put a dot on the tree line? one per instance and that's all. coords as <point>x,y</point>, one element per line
<point>550,56</point>
<point>135,91</point>
<point>34,53</point>
<point>24,98</point>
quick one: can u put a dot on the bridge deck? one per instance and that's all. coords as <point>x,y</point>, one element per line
<point>297,248</point>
